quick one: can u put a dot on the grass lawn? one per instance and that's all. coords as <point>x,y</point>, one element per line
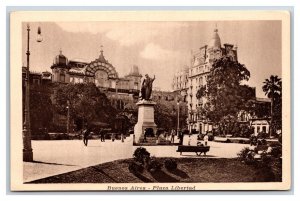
<point>188,170</point>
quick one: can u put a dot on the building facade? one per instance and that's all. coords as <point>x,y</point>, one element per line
<point>99,71</point>
<point>190,79</point>
<point>120,90</point>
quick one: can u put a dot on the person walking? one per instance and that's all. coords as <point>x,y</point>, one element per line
<point>205,139</point>
<point>102,135</point>
<point>86,133</point>
<point>180,137</point>
<point>173,133</point>
<point>122,137</point>
<point>113,137</point>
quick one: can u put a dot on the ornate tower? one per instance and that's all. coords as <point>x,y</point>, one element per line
<point>135,78</point>
<point>214,47</point>
<point>60,69</point>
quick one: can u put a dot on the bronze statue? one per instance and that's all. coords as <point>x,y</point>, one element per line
<point>147,87</point>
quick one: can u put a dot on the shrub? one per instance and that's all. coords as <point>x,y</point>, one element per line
<point>261,141</point>
<point>141,155</point>
<point>153,165</point>
<point>210,137</point>
<point>266,159</point>
<point>253,140</point>
<point>262,135</point>
<point>135,167</point>
<point>276,151</point>
<point>170,164</point>
<point>246,155</point>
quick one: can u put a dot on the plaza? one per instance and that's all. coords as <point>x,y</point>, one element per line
<point>62,156</point>
<point>90,98</point>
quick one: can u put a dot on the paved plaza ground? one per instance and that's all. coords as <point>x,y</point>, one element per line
<point>61,156</point>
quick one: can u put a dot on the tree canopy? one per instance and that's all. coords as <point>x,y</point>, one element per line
<point>87,103</point>
<point>273,89</point>
<point>226,94</point>
<point>41,108</point>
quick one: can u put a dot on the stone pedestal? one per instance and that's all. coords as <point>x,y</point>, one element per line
<point>145,120</point>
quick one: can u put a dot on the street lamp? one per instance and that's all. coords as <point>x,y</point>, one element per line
<point>68,117</point>
<point>178,111</point>
<point>27,148</point>
<point>182,94</point>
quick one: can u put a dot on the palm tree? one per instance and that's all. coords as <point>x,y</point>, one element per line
<point>272,88</point>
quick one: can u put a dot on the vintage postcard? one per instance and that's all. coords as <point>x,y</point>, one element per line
<point>150,100</point>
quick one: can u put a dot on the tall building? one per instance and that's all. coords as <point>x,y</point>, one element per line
<point>195,76</point>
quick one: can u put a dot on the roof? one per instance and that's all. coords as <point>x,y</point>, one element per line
<point>102,58</point>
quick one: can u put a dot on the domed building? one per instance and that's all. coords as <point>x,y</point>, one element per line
<point>120,90</point>
<point>100,71</point>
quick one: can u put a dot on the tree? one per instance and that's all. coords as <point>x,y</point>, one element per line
<point>226,95</point>
<point>87,103</point>
<point>41,108</point>
<point>131,111</point>
<point>166,114</point>
<point>201,92</point>
<point>273,89</point>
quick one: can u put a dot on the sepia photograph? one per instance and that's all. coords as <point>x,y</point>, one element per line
<point>150,100</point>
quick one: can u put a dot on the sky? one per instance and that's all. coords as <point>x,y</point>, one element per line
<point>157,48</point>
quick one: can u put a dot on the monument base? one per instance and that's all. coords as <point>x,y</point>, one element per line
<point>145,124</point>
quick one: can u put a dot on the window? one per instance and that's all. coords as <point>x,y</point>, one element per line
<point>36,81</point>
<point>136,85</point>
<point>62,77</point>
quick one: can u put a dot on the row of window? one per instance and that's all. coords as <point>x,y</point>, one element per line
<point>199,69</point>
<point>75,80</point>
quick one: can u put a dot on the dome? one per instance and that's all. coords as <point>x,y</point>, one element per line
<point>215,42</point>
<point>61,59</point>
<point>102,58</point>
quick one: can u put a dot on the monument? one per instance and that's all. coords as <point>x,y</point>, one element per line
<point>145,127</point>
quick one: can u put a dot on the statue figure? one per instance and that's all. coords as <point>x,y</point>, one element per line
<point>147,87</point>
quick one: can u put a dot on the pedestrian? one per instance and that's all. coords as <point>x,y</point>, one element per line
<point>205,139</point>
<point>189,140</point>
<point>113,137</point>
<point>86,133</point>
<point>180,137</point>
<point>102,135</point>
<point>122,137</point>
<point>173,133</point>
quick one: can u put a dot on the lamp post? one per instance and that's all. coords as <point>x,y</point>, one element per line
<point>182,97</point>
<point>68,117</point>
<point>27,148</point>
<point>178,111</point>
